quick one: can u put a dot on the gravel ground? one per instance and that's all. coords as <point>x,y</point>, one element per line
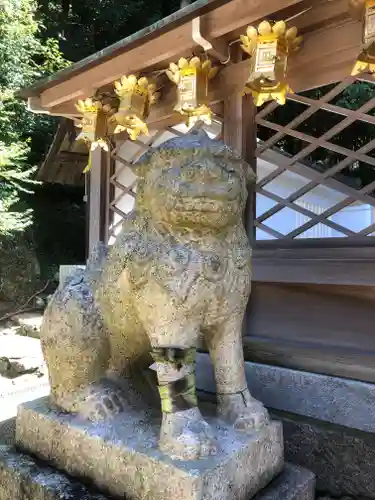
<point>23,374</point>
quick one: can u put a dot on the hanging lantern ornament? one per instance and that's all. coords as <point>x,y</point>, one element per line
<point>136,97</point>
<point>192,77</point>
<point>269,47</point>
<point>366,59</point>
<point>94,122</point>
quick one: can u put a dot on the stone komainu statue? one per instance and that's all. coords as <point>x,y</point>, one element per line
<point>180,268</point>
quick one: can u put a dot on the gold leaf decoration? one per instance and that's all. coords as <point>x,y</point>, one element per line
<point>366,60</point>
<point>94,122</point>
<point>269,47</point>
<point>136,97</point>
<point>192,79</point>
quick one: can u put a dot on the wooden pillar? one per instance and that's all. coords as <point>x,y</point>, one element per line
<point>97,197</point>
<point>240,134</point>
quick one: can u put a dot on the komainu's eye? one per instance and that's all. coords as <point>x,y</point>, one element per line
<point>189,174</point>
<point>228,167</point>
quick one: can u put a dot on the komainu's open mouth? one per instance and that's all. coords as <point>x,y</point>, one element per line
<point>204,205</point>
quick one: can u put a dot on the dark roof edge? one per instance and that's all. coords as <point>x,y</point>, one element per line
<point>178,18</point>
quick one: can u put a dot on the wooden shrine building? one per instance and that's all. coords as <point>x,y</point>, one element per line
<point>312,225</point>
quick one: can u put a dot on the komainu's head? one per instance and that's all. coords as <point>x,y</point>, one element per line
<point>193,182</point>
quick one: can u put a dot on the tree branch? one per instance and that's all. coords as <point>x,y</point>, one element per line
<point>24,307</point>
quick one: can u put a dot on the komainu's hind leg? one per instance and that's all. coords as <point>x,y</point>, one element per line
<point>235,403</point>
<point>76,349</point>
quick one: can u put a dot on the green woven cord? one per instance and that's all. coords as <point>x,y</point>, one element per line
<point>178,395</point>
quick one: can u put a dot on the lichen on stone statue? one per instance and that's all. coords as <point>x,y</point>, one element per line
<point>179,269</point>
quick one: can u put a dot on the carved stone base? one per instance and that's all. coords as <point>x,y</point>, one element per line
<point>122,458</point>
<point>24,478</point>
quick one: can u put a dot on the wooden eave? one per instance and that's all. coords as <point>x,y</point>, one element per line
<point>331,44</point>
<point>66,159</point>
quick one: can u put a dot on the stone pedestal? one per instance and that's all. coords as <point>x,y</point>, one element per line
<point>25,478</point>
<point>122,458</point>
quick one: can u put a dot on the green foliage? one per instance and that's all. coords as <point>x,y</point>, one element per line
<point>85,26</point>
<point>23,136</point>
<point>13,179</point>
<point>34,35</point>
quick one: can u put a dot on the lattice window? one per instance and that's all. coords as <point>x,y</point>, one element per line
<point>123,181</point>
<point>316,164</point>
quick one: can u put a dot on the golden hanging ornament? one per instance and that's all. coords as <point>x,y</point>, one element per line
<point>366,59</point>
<point>136,97</point>
<point>269,47</point>
<point>192,77</point>
<point>94,122</point>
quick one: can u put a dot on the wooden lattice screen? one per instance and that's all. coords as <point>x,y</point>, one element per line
<point>123,181</point>
<point>316,164</point>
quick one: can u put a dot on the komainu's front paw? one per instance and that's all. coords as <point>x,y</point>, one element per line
<point>242,411</point>
<point>97,402</point>
<point>185,435</point>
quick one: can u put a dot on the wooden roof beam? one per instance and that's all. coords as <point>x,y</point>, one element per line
<point>53,151</point>
<point>326,56</point>
<point>66,110</point>
<point>318,15</point>
<point>217,23</point>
